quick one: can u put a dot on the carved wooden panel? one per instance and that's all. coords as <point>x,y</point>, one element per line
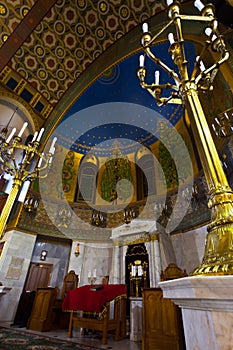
<point>162,322</point>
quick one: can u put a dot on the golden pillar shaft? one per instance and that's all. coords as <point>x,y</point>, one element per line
<point>9,204</point>
<point>218,257</point>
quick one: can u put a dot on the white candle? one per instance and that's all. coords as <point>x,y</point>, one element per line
<point>140,273</point>
<point>202,66</point>
<point>35,136</point>
<point>145,28</point>
<point>89,274</point>
<point>199,5</point>
<point>11,135</point>
<point>176,82</point>
<point>40,135</point>
<point>40,161</point>
<point>157,77</point>
<point>208,32</point>
<point>171,38</point>
<point>52,148</point>
<point>94,273</point>
<point>141,60</point>
<point>23,129</point>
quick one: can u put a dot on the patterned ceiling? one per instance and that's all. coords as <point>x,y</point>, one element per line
<point>48,44</point>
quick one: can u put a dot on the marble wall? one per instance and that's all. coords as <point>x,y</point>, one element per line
<point>189,248</point>
<point>93,257</point>
<point>207,310</point>
<point>14,264</point>
<point>19,251</point>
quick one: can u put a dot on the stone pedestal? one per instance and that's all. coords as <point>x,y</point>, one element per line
<point>207,310</point>
<point>135,319</point>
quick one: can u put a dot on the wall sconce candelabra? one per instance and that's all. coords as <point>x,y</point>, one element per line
<point>43,255</point>
<point>98,218</point>
<point>218,256</point>
<point>31,204</point>
<point>223,124</point>
<point>77,250</point>
<point>32,166</point>
<point>130,214</point>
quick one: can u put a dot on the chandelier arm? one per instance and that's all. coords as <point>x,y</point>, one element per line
<point>196,18</point>
<point>196,66</point>
<point>214,67</point>
<point>153,39</point>
<point>170,71</point>
<point>184,70</point>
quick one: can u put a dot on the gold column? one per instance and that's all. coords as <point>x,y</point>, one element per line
<point>9,204</point>
<point>218,256</point>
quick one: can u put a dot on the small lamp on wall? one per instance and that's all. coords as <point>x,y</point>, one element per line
<point>43,255</point>
<point>77,252</point>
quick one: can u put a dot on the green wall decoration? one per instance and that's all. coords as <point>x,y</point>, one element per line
<point>116,180</point>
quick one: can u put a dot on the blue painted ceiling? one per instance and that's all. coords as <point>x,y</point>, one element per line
<point>116,107</point>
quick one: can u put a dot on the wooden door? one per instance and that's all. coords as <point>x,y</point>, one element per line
<point>39,276</point>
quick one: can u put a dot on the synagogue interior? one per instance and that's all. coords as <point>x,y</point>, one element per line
<point>116,163</point>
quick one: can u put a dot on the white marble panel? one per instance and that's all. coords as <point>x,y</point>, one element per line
<point>97,259</point>
<point>207,309</point>
<point>189,248</point>
<point>136,319</point>
<point>199,330</point>
<point>19,245</point>
<point>223,325</point>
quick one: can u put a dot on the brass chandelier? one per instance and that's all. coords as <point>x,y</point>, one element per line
<point>218,256</point>
<point>34,164</point>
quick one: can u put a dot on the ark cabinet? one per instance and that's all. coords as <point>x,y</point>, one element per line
<point>162,326</point>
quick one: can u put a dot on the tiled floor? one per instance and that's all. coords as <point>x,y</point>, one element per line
<point>89,339</point>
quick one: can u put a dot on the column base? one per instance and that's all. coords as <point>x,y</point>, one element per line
<point>214,269</point>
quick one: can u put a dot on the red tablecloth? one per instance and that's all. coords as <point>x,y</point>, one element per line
<point>85,299</point>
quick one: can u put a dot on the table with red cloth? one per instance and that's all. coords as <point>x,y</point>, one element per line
<point>89,299</point>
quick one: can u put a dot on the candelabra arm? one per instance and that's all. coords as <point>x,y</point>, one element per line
<point>22,171</point>
<point>9,204</point>
<point>183,62</point>
<point>155,91</point>
<point>170,71</point>
<point>154,38</point>
<point>213,69</point>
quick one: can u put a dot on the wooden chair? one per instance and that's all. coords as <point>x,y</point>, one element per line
<point>70,282</point>
<point>61,319</point>
<point>105,280</point>
<point>172,271</point>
